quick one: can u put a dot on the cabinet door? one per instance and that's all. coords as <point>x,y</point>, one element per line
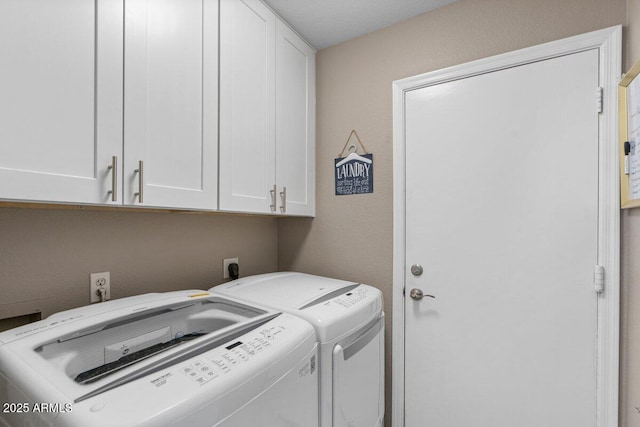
<point>295,123</point>
<point>171,98</point>
<point>60,99</point>
<point>247,106</point>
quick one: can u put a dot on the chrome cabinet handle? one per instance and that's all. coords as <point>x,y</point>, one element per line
<point>114,178</point>
<point>140,172</point>
<point>283,195</point>
<point>273,198</point>
<point>417,294</point>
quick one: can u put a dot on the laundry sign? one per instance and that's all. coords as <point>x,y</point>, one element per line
<point>354,174</point>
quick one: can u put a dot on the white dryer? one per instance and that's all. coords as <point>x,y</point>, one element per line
<point>174,359</point>
<point>349,325</point>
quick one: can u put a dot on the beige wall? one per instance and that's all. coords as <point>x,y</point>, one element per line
<point>351,236</point>
<point>48,254</point>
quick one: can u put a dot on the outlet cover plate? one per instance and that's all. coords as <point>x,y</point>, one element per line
<point>97,281</point>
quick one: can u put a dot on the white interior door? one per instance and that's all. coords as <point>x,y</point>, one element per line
<point>502,214</point>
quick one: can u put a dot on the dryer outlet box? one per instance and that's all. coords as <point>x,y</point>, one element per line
<point>225,266</point>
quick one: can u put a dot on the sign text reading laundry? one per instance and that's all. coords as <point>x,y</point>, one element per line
<point>354,174</point>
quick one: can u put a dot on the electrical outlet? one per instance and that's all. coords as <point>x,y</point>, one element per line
<point>225,266</point>
<point>98,282</point>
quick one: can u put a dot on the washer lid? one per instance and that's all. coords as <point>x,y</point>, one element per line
<point>96,350</point>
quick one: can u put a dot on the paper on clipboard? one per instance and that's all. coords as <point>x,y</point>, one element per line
<point>633,113</point>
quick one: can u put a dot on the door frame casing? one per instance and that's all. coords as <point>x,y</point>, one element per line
<point>609,44</point>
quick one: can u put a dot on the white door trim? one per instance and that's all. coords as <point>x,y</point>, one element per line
<point>609,44</point>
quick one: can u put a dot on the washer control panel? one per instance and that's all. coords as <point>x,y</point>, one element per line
<point>222,360</point>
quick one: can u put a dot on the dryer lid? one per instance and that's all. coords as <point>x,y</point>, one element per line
<point>334,307</point>
<point>295,291</point>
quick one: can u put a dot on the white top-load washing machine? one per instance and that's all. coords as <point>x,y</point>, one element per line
<point>182,358</point>
<point>349,324</point>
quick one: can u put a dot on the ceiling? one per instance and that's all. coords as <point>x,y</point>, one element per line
<point>324,23</point>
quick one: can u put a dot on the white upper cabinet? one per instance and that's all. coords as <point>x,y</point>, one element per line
<point>171,103</point>
<point>247,106</point>
<point>267,111</point>
<point>64,97</point>
<point>60,99</point>
<point>295,122</point>
<point>116,102</point>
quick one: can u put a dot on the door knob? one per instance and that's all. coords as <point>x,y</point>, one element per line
<point>417,294</point>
